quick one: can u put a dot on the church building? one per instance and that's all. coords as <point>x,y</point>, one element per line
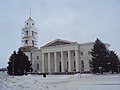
<point>57,56</point>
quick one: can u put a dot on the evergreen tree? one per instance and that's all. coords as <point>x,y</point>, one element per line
<point>113,62</point>
<point>11,63</point>
<point>99,57</point>
<point>21,64</point>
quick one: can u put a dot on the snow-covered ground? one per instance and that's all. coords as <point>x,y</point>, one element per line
<point>60,82</point>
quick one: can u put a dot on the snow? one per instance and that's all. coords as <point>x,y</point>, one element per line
<point>60,82</point>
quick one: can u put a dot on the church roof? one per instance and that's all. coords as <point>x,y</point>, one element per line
<point>27,48</point>
<point>29,19</point>
<point>58,42</point>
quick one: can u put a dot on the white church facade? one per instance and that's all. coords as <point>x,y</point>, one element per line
<point>57,56</point>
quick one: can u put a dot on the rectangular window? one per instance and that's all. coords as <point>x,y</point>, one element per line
<point>26,41</point>
<point>74,54</point>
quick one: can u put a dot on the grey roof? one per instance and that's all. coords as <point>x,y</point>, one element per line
<point>27,48</point>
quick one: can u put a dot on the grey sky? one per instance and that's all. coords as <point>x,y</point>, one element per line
<point>75,20</point>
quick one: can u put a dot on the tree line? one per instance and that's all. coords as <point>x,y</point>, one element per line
<point>103,60</point>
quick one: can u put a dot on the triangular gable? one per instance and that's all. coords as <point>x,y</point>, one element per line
<point>58,42</point>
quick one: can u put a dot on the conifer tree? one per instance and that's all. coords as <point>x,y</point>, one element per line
<point>11,63</point>
<point>113,62</point>
<point>99,57</point>
<point>19,63</point>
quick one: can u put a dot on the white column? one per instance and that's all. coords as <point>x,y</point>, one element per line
<point>69,62</point>
<point>55,61</point>
<point>43,63</point>
<point>49,67</point>
<point>77,61</point>
<point>62,61</point>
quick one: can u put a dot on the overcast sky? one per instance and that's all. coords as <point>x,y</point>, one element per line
<point>74,20</point>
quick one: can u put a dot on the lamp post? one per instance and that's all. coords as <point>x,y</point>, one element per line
<point>100,68</point>
<point>13,66</point>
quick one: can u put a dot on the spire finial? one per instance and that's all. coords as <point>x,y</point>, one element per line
<point>30,12</point>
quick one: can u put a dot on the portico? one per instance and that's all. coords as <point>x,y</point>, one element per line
<point>64,58</point>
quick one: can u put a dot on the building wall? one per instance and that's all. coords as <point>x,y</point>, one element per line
<point>85,55</point>
<point>83,51</point>
<point>37,60</point>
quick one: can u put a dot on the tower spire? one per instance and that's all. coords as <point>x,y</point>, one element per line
<point>30,12</point>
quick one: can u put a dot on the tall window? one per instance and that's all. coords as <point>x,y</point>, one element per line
<point>67,54</point>
<point>74,64</point>
<point>60,66</point>
<point>32,42</point>
<point>67,65</point>
<point>26,32</point>
<point>74,54</point>
<point>60,55</point>
<point>82,64</point>
<point>26,41</point>
<point>37,66</point>
<point>32,33</point>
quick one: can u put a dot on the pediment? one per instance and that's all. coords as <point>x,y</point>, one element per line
<point>57,42</point>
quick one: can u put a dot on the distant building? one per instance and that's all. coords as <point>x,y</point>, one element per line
<point>57,56</point>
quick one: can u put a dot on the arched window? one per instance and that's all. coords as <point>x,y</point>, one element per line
<point>82,64</point>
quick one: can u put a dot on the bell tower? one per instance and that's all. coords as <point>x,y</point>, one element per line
<point>29,33</point>
<point>29,36</point>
